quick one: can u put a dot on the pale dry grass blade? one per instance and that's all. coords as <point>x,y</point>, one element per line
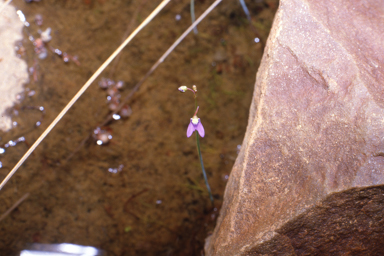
<point>82,90</point>
<point>14,206</point>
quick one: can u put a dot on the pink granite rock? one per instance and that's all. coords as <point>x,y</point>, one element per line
<point>308,178</point>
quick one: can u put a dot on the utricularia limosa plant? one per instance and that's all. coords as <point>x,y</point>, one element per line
<point>196,125</point>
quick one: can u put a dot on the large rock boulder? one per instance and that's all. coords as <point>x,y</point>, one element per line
<point>308,178</point>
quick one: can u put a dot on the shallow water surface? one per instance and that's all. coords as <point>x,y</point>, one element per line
<point>156,202</point>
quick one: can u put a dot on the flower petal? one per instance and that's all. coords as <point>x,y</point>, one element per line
<point>182,88</point>
<point>200,129</point>
<point>190,129</point>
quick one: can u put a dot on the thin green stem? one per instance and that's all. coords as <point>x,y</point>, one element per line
<point>193,15</point>
<point>245,10</point>
<point>202,168</point>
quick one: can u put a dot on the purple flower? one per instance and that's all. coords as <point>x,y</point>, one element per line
<point>195,125</point>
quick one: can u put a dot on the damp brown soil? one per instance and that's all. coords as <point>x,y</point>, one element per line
<point>157,204</point>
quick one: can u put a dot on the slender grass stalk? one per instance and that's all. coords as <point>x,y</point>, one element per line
<point>203,169</point>
<point>4,215</point>
<point>82,90</point>
<point>244,6</point>
<point>193,15</point>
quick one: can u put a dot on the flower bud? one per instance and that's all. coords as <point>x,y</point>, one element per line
<point>183,88</point>
<point>194,88</point>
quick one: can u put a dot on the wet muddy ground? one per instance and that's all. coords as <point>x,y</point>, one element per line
<point>156,203</point>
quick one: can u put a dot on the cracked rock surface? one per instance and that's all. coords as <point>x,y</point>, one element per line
<point>308,179</point>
